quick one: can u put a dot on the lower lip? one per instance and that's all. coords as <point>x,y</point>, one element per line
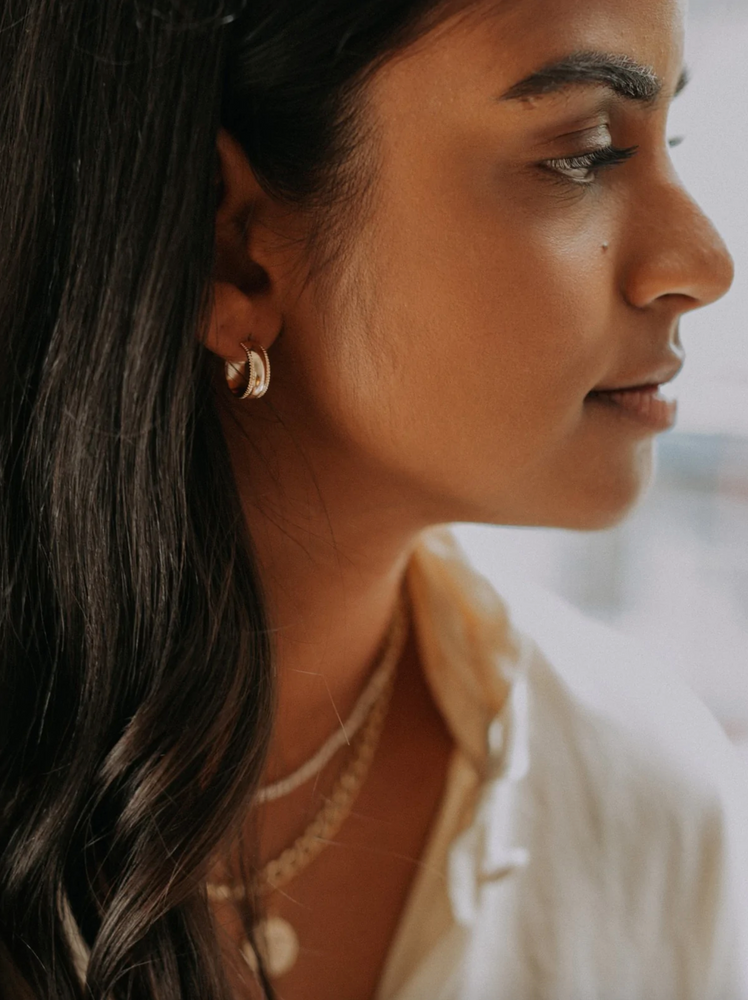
<point>646,405</point>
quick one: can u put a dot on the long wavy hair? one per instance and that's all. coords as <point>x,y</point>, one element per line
<point>136,679</point>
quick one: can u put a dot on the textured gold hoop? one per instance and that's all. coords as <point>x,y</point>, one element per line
<point>249,379</point>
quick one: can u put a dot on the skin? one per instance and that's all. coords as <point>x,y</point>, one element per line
<point>444,376</point>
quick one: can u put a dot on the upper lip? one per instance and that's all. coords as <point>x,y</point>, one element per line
<point>666,372</point>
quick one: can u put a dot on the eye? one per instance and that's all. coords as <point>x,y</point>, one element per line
<point>675,141</point>
<point>583,169</point>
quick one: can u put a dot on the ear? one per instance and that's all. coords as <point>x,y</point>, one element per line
<point>245,304</point>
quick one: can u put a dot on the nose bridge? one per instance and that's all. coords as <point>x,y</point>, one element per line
<point>680,252</point>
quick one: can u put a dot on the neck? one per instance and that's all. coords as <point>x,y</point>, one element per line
<point>332,553</point>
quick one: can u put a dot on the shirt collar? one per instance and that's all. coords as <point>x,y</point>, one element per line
<point>472,657</point>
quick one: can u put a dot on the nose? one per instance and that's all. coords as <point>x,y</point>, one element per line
<point>678,259</point>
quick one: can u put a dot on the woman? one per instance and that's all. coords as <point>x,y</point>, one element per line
<point>285,284</point>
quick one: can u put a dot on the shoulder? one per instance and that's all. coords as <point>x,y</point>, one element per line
<point>643,795</point>
<point>632,809</point>
<point>591,689</point>
<point>647,722</point>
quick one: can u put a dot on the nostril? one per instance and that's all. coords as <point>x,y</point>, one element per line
<point>716,269</point>
<point>680,256</point>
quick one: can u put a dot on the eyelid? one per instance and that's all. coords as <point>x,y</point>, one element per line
<point>591,135</point>
<point>591,161</point>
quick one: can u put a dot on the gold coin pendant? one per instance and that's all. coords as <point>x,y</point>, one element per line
<point>278,945</point>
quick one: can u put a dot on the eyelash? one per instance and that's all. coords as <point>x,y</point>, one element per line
<point>591,163</point>
<point>597,159</point>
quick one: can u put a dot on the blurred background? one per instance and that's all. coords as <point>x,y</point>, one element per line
<point>675,575</point>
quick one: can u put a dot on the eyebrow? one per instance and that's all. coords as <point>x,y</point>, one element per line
<point>620,74</point>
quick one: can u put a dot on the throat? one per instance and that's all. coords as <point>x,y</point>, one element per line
<point>344,908</point>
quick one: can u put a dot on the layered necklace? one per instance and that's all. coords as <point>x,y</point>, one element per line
<point>274,937</point>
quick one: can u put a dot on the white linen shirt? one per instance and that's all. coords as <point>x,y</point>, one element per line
<point>592,841</point>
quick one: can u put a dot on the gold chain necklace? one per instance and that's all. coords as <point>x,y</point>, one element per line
<point>275,938</point>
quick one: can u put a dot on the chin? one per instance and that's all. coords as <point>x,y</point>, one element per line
<point>575,495</point>
<point>593,498</point>
<point>600,519</point>
<point>605,500</point>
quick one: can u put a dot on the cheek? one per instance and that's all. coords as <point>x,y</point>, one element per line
<point>457,367</point>
<point>499,329</point>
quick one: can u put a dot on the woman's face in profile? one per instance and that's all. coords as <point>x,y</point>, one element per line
<point>527,244</point>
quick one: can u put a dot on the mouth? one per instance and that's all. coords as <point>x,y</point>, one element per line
<point>648,403</point>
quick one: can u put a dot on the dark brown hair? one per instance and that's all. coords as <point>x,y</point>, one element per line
<point>136,692</point>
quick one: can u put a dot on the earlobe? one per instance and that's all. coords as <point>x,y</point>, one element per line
<point>235,317</point>
<point>234,332</point>
<point>231,320</point>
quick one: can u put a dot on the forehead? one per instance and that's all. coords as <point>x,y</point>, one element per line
<point>501,42</point>
<point>646,30</point>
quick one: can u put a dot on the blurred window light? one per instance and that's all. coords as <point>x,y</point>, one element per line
<point>712,116</point>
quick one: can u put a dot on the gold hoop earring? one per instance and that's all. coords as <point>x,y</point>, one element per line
<point>249,379</point>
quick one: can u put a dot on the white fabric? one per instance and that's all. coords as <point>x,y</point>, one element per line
<point>592,842</point>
